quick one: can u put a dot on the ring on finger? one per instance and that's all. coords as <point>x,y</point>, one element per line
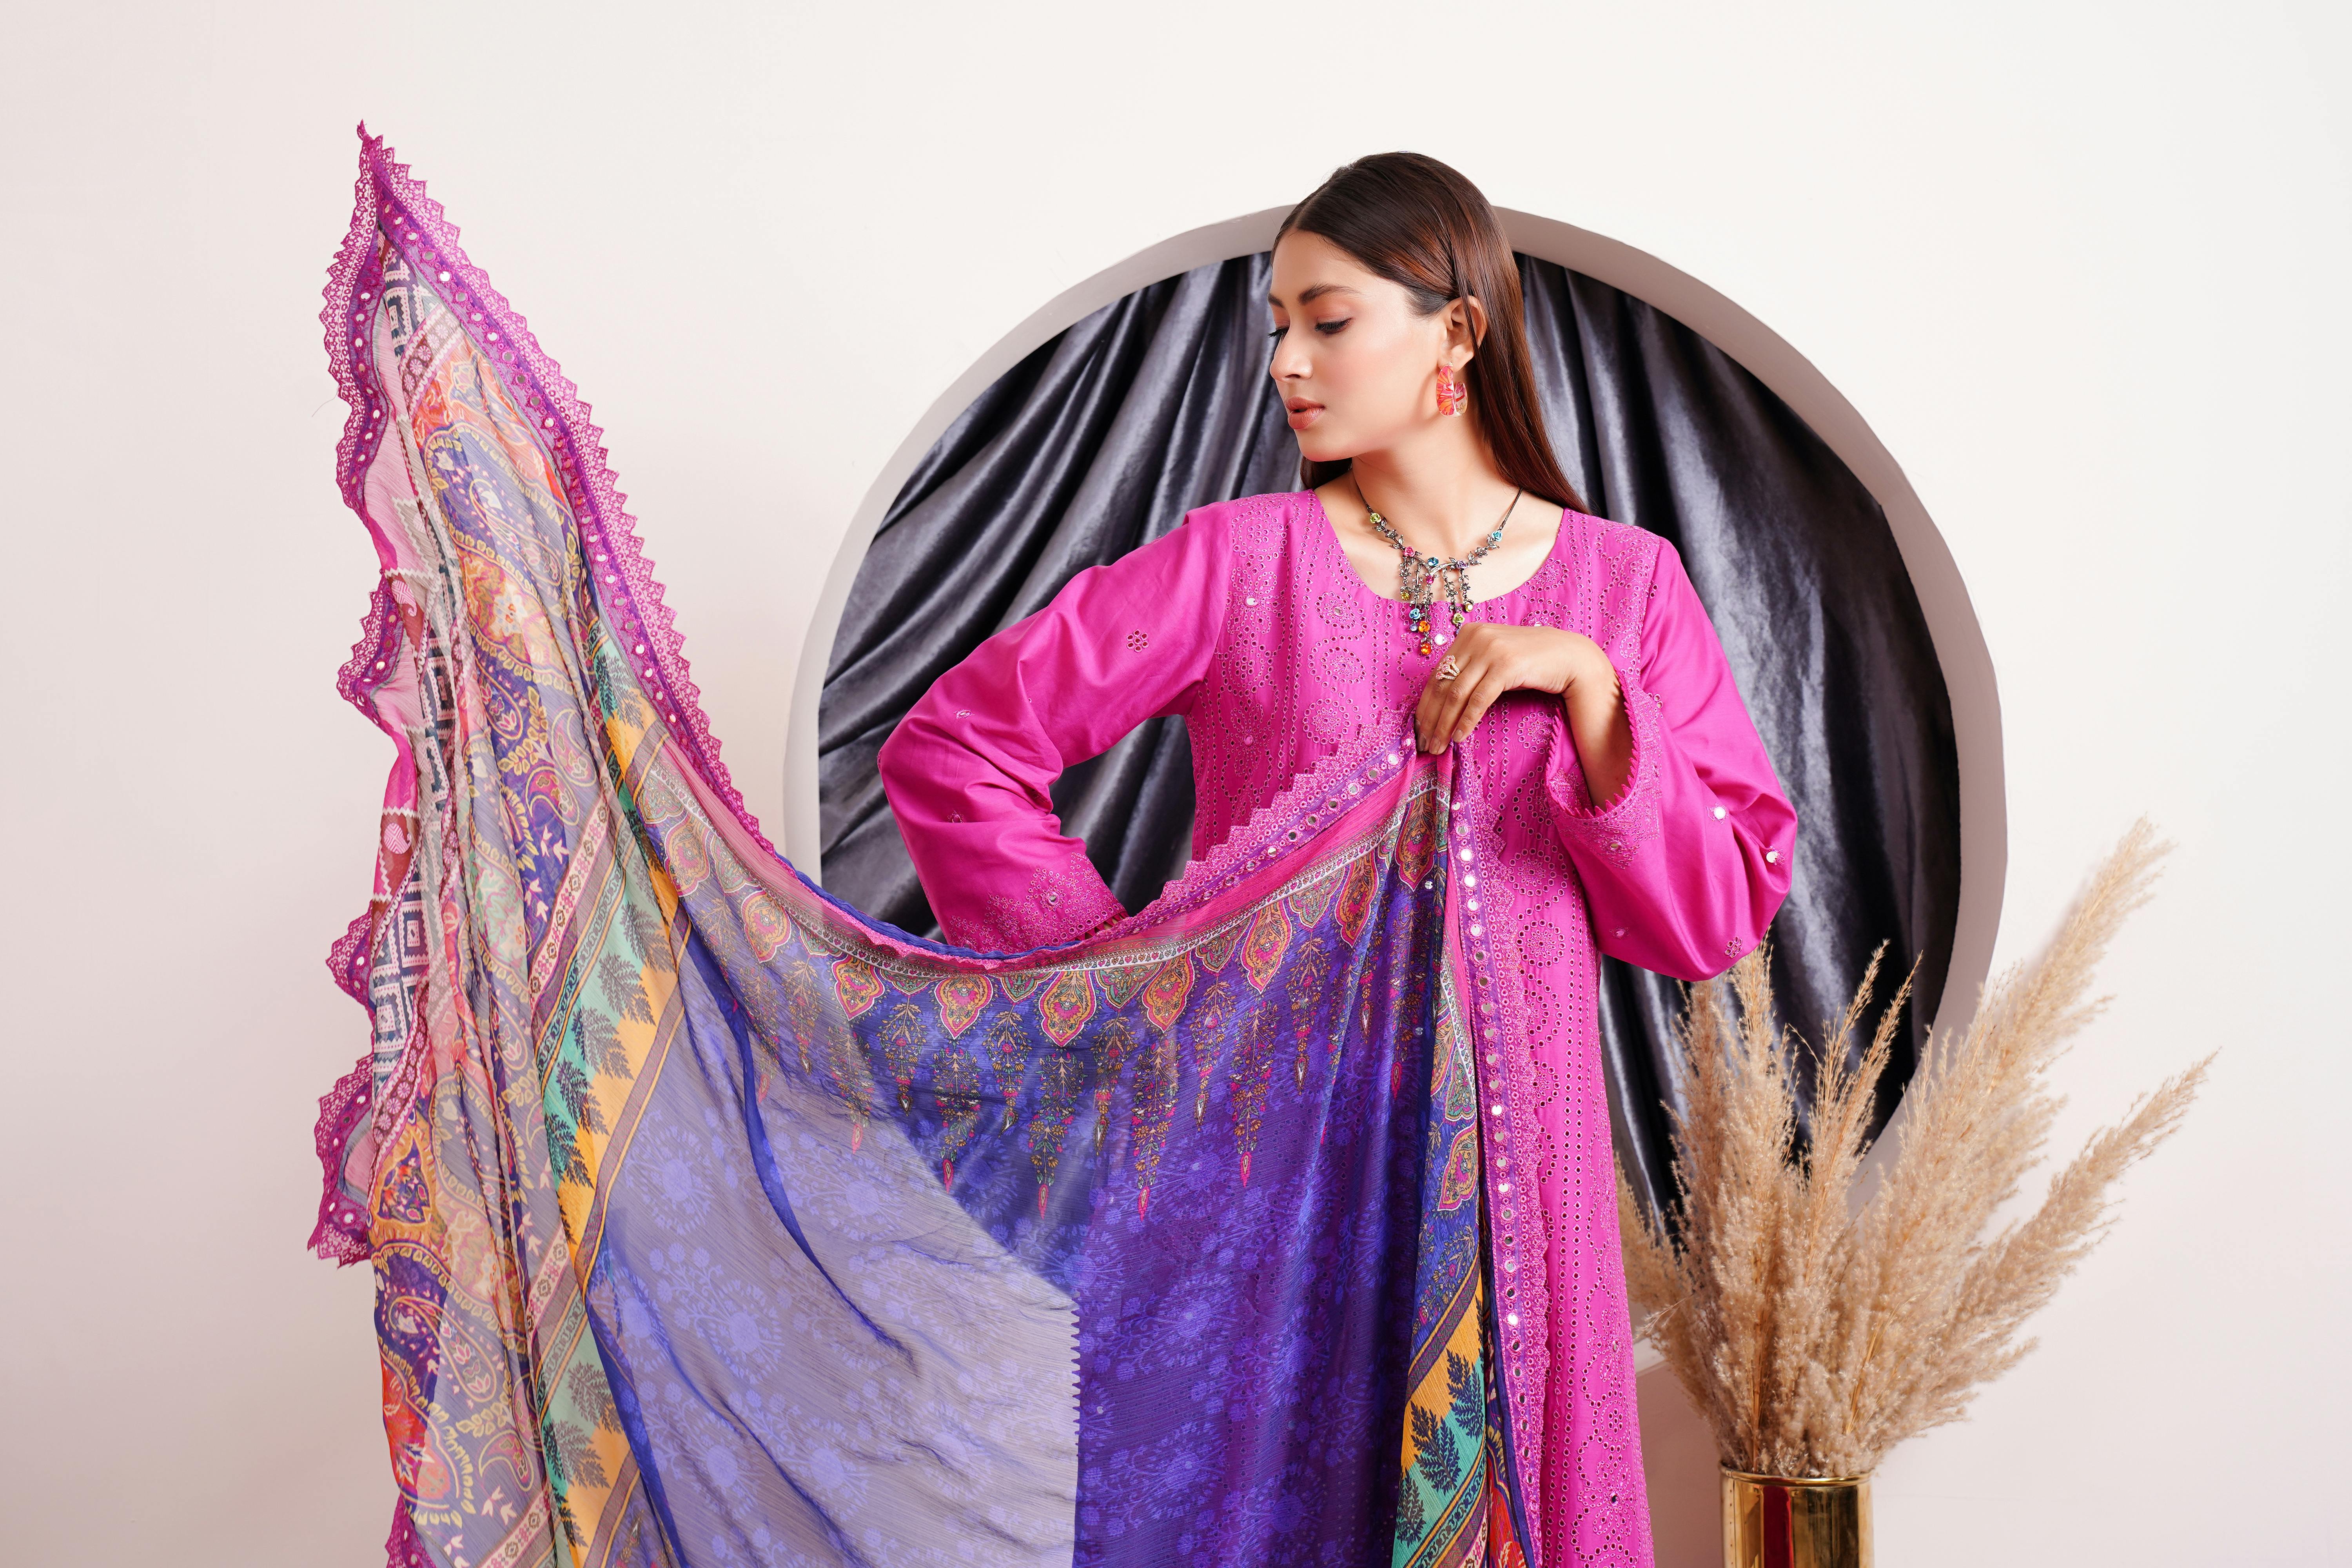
<point>1449,669</point>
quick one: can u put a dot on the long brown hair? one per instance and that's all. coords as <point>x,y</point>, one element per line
<point>1412,220</point>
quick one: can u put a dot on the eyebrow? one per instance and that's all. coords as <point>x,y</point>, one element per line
<point>1313,292</point>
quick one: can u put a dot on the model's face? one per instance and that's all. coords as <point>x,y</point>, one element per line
<point>1356,364</point>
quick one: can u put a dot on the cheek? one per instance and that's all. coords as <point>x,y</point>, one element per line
<point>1379,383</point>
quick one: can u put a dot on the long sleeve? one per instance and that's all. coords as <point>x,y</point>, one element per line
<point>969,768</point>
<point>1685,868</point>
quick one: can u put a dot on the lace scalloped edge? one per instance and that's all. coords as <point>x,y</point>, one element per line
<point>385,187</point>
<point>403,1547</point>
<point>1269,829</point>
<point>341,1234</point>
<point>344,959</point>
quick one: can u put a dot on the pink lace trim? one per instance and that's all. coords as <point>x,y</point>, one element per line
<point>415,224</point>
<point>389,207</point>
<point>1287,823</point>
<point>347,959</point>
<point>404,1548</point>
<point>353,371</point>
<point>372,654</point>
<point>341,1233</point>
<point>355,261</point>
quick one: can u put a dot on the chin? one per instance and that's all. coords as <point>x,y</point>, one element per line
<point>1318,447</point>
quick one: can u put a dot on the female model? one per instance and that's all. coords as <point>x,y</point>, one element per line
<point>1437,570</point>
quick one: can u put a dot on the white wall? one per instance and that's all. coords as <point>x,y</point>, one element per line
<point>2082,269</point>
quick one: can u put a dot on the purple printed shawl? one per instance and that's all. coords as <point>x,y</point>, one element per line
<point>714,1223</point>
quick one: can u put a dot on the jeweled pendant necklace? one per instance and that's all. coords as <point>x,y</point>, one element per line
<point>1417,573</point>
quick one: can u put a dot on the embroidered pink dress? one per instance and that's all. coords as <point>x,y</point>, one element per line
<point>1249,620</point>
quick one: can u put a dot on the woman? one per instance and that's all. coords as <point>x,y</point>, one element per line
<point>1438,562</point>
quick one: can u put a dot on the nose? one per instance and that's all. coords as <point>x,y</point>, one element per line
<point>1289,361</point>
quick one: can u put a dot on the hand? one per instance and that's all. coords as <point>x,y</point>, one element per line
<point>1494,659</point>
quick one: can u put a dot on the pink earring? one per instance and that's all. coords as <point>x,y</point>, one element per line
<point>1453,397</point>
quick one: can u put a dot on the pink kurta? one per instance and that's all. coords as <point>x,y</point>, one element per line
<point>1250,620</point>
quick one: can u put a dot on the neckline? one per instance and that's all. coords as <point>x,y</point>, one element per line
<point>1330,533</point>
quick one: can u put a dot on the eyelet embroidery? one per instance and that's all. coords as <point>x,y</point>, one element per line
<point>1061,903</point>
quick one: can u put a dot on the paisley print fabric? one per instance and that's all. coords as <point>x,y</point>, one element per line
<point>714,1223</point>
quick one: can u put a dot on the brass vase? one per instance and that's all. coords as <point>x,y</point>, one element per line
<point>1795,1522</point>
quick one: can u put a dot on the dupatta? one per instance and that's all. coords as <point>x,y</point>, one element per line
<point>715,1224</point>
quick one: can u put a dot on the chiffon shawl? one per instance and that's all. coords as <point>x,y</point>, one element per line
<point>712,1223</point>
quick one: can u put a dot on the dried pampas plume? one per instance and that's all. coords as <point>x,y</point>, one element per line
<point>1815,1333</point>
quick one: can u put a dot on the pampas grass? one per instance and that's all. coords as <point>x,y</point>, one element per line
<point>1813,1331</point>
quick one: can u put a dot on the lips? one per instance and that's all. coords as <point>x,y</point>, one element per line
<point>1303,413</point>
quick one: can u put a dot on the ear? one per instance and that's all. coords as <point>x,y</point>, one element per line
<point>1466,328</point>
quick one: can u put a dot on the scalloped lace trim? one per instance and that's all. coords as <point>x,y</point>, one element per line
<point>1289,821</point>
<point>390,208</point>
<point>391,200</point>
<point>341,1233</point>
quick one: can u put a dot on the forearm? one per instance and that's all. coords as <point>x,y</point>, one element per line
<point>1596,724</point>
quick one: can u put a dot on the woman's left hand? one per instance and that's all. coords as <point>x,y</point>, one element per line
<point>1494,659</point>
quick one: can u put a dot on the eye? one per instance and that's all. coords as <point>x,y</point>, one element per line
<point>1328,328</point>
<point>1277,331</point>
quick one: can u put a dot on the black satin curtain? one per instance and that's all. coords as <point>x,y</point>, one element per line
<point>1104,438</point>
<point>1098,442</point>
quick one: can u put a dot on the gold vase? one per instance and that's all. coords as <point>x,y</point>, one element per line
<point>1795,1522</point>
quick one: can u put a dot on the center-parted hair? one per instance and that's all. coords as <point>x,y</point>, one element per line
<point>1412,220</point>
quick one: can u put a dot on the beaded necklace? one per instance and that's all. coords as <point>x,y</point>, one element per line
<point>1417,573</point>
